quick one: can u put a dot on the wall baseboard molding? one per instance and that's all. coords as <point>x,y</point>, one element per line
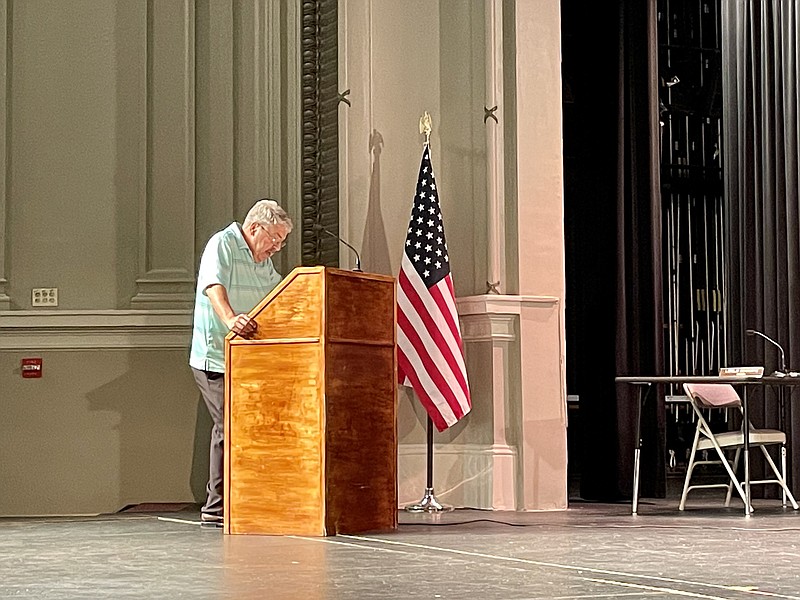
<point>95,329</point>
<point>481,476</point>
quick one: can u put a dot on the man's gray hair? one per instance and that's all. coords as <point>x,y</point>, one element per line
<point>268,212</point>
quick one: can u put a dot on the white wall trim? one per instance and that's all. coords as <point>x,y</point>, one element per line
<point>500,304</point>
<point>494,316</point>
<point>95,329</point>
<point>488,327</point>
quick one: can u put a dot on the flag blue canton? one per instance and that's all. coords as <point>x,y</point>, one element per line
<point>425,246</point>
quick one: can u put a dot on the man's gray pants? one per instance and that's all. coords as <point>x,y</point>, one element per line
<point>212,387</point>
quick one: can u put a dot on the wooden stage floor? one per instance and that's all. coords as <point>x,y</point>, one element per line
<point>588,551</point>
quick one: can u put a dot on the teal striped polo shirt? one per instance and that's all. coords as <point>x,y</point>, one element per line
<point>226,260</point>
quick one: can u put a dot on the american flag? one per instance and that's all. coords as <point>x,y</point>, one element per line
<point>429,355</point>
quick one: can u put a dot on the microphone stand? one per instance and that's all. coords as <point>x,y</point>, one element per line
<point>783,372</point>
<point>319,227</point>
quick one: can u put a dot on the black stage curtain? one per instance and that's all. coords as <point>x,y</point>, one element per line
<point>639,316</point>
<point>761,138</point>
<point>613,231</point>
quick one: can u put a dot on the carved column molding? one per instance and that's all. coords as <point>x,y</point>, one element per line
<point>5,300</point>
<point>495,160</point>
<point>167,222</point>
<point>320,142</point>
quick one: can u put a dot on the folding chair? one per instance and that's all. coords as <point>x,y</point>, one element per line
<point>705,397</point>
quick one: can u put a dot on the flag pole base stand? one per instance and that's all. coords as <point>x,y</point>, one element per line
<point>428,504</point>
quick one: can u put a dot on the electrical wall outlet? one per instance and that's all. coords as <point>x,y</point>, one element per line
<point>44,297</point>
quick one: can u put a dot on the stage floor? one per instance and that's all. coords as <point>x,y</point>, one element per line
<point>588,551</point>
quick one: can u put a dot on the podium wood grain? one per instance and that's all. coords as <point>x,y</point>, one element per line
<point>310,409</point>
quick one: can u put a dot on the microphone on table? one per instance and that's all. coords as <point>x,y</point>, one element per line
<point>782,372</point>
<point>318,227</point>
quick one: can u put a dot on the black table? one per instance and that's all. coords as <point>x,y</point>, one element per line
<point>646,384</point>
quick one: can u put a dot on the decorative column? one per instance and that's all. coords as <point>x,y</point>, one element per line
<point>214,97</point>
<point>539,252</point>
<point>5,300</point>
<point>491,336</point>
<point>167,221</point>
<point>291,130</point>
<point>521,374</point>
<point>515,341</point>
<point>495,156</point>
<point>256,76</point>
<point>248,128</point>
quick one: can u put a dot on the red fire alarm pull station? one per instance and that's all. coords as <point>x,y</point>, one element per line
<point>31,367</point>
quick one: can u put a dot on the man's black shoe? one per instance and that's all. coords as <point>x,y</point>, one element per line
<point>211,519</point>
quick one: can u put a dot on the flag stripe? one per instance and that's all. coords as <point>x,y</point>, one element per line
<point>440,376</point>
<point>427,386</point>
<point>433,337</point>
<point>411,282</point>
<point>437,418</point>
<point>450,298</point>
<point>447,306</point>
<point>443,383</point>
<point>433,307</point>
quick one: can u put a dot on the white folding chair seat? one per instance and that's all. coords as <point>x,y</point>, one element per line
<point>731,439</point>
<point>705,397</point>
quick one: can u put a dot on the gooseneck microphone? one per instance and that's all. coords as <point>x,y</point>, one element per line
<point>783,371</point>
<point>318,227</point>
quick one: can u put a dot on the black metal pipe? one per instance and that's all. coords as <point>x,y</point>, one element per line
<point>430,454</point>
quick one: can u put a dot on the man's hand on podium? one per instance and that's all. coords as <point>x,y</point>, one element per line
<point>243,325</point>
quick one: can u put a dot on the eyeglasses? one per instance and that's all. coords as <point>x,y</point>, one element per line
<point>276,242</point>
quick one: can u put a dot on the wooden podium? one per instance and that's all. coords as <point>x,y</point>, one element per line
<point>310,409</point>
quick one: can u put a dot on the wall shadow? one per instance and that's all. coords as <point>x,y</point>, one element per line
<point>375,250</point>
<point>163,430</point>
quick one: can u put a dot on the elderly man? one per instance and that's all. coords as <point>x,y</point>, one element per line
<point>236,272</point>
